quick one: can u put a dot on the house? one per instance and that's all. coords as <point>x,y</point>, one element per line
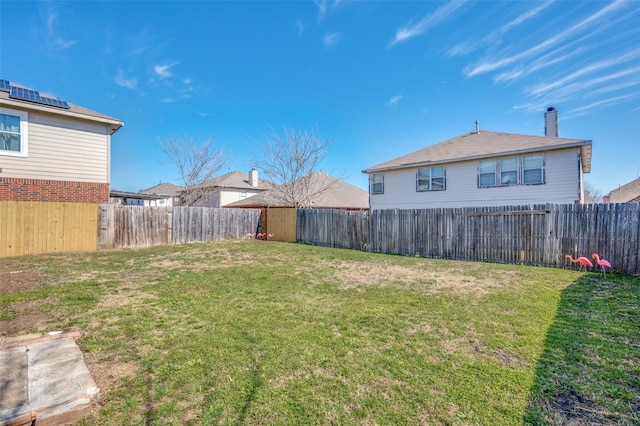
<point>52,150</point>
<point>231,187</point>
<point>628,193</point>
<point>484,168</point>
<point>166,194</point>
<point>127,198</point>
<point>317,190</point>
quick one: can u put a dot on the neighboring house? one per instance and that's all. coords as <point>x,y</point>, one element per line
<point>326,192</point>
<point>231,187</point>
<point>52,150</point>
<point>127,198</point>
<point>628,193</point>
<point>167,193</point>
<point>485,168</point>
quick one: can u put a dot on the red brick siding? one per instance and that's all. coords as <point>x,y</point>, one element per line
<point>15,189</point>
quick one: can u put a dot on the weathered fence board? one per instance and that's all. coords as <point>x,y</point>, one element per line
<point>532,235</point>
<point>137,226</point>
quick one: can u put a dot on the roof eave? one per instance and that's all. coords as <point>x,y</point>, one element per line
<point>114,123</point>
<point>586,157</point>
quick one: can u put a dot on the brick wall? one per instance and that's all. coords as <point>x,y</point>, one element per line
<point>15,189</point>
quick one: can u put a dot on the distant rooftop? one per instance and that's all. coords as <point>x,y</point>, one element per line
<point>484,144</point>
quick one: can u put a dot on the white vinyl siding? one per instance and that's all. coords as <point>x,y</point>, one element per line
<point>62,148</point>
<point>562,177</point>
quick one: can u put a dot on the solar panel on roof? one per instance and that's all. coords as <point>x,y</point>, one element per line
<point>35,96</point>
<point>5,85</point>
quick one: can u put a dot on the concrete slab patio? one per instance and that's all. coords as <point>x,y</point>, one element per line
<point>44,381</point>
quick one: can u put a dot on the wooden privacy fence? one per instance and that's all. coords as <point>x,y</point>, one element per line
<point>532,235</point>
<point>138,226</point>
<point>33,227</point>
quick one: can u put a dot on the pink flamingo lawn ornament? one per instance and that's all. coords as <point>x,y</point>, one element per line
<point>603,263</point>
<point>581,260</point>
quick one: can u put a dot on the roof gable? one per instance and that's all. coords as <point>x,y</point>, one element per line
<point>238,180</point>
<point>484,144</point>
<point>165,188</point>
<point>627,193</point>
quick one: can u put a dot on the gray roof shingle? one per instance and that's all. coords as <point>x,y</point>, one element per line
<point>484,144</point>
<point>338,195</point>
<point>236,179</point>
<point>627,193</point>
<point>165,188</point>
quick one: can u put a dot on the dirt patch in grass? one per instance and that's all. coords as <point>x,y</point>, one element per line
<point>24,324</point>
<point>13,281</point>
<point>354,276</point>
<point>28,317</point>
<point>131,297</point>
<point>572,409</point>
<point>197,261</point>
<point>109,374</point>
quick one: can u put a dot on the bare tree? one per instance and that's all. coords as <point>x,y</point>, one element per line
<point>291,160</point>
<point>197,163</point>
<point>593,194</point>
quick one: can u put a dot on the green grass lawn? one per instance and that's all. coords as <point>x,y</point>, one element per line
<point>257,332</point>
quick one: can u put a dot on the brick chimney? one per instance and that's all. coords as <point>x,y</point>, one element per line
<point>551,123</point>
<point>253,178</point>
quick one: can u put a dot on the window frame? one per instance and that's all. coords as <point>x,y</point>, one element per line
<point>373,183</point>
<point>541,168</point>
<point>498,171</point>
<point>24,134</point>
<point>495,173</point>
<point>430,179</point>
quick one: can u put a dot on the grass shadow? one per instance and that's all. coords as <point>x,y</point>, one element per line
<point>589,371</point>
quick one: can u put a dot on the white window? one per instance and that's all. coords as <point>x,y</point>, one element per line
<point>487,173</point>
<point>525,170</point>
<point>377,183</point>
<point>430,179</point>
<point>532,169</point>
<point>509,171</point>
<point>13,132</point>
<point>243,195</point>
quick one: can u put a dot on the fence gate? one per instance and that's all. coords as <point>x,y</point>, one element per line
<point>281,222</point>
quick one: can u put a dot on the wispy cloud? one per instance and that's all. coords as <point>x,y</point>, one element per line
<point>330,39</point>
<point>488,66</point>
<point>164,71</point>
<point>53,39</point>
<point>472,45</point>
<point>393,101</point>
<point>583,110</point>
<point>122,79</point>
<point>411,30</point>
<point>601,65</point>
<point>299,27</point>
<point>552,58</point>
<point>326,6</point>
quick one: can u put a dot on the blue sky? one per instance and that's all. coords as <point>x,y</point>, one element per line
<point>381,79</point>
